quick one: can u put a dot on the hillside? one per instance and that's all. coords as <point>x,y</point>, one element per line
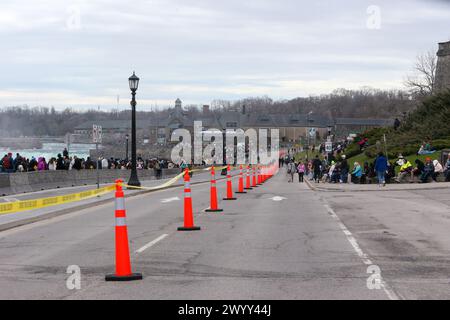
<point>430,122</point>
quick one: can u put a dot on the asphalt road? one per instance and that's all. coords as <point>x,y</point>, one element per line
<point>279,241</point>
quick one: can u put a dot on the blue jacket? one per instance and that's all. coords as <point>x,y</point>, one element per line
<point>381,164</point>
<point>357,171</point>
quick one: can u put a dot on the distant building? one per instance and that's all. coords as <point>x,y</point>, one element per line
<point>293,128</point>
<point>112,129</point>
<point>443,67</point>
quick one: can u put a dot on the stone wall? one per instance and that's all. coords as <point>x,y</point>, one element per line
<point>15,183</point>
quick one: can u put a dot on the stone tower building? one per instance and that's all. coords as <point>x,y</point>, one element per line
<point>443,67</point>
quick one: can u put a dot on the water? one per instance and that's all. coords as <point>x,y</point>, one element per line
<point>50,150</point>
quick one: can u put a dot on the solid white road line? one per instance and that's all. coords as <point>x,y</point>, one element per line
<point>152,243</point>
<point>364,257</point>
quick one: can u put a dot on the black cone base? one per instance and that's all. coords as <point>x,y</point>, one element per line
<point>248,188</point>
<point>131,277</point>
<point>240,192</point>
<point>229,199</point>
<point>213,210</point>
<point>188,228</point>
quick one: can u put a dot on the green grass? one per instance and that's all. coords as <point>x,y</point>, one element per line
<point>312,155</point>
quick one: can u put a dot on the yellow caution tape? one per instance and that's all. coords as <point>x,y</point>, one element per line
<point>171,181</point>
<point>26,205</point>
<point>162,186</point>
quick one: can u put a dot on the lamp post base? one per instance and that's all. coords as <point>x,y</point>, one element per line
<point>134,180</point>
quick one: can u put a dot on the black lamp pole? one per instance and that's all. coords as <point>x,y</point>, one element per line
<point>126,150</point>
<point>134,180</point>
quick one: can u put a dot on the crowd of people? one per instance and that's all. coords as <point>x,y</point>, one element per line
<point>18,163</point>
<point>381,170</point>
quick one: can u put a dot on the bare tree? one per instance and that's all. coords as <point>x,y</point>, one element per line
<point>423,81</point>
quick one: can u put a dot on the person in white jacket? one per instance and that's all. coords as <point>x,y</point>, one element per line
<point>438,169</point>
<point>104,163</point>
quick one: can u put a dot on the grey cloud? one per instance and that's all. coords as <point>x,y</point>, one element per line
<point>210,49</point>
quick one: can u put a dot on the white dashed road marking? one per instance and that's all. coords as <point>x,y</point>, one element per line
<point>364,257</point>
<point>152,243</point>
<point>170,200</point>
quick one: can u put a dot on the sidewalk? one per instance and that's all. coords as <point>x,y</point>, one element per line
<point>349,187</point>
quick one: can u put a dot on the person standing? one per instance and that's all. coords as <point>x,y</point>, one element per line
<point>344,167</point>
<point>60,162</point>
<point>357,173</point>
<point>380,168</point>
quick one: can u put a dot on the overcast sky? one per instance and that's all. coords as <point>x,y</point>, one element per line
<point>81,52</point>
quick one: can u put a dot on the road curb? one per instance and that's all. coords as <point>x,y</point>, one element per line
<point>320,189</point>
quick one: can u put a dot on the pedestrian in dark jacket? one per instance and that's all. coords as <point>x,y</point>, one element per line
<point>344,167</point>
<point>317,168</point>
<point>380,168</point>
<point>60,162</point>
<point>428,171</point>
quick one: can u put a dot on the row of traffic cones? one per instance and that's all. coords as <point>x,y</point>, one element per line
<point>123,262</point>
<point>260,175</point>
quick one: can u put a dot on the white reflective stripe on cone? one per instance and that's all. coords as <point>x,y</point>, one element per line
<point>121,222</point>
<point>120,203</point>
<point>187,185</point>
<point>187,194</point>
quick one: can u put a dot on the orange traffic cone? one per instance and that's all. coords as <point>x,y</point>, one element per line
<point>241,182</point>
<point>123,264</point>
<point>247,183</point>
<point>214,207</point>
<point>254,185</point>
<point>229,186</point>
<point>188,214</point>
<point>258,175</point>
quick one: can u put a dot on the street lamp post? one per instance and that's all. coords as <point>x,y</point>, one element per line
<point>134,83</point>
<point>127,137</point>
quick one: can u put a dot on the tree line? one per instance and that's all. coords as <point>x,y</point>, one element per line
<point>364,103</point>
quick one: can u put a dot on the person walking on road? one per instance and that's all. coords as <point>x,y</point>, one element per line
<point>317,168</point>
<point>291,169</point>
<point>301,171</point>
<point>380,168</point>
